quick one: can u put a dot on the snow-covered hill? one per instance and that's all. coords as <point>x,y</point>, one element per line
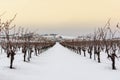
<point>58,63</point>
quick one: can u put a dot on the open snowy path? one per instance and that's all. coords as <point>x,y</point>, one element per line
<point>58,63</point>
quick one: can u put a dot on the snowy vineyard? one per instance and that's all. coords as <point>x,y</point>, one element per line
<point>109,49</point>
<point>26,55</point>
<point>58,63</point>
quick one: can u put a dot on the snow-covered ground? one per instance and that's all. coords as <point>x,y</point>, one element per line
<point>58,63</point>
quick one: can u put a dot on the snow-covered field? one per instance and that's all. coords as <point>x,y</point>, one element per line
<point>58,63</point>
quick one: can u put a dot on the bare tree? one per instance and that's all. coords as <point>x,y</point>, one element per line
<point>10,50</point>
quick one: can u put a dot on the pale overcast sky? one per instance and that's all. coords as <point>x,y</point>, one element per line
<point>67,17</point>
